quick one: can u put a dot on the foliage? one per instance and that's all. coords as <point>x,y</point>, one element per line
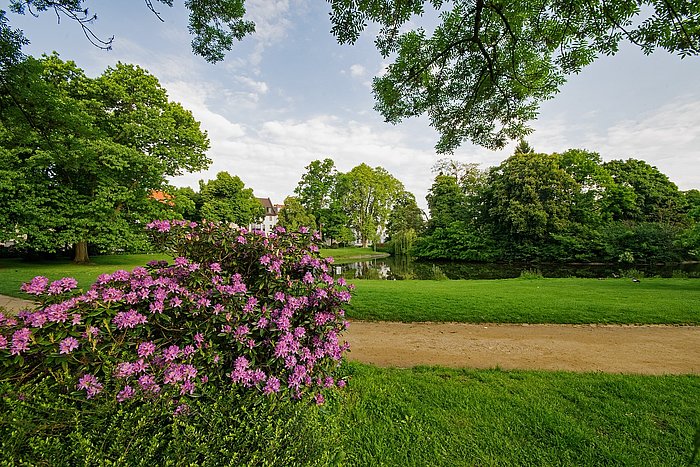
<point>80,157</point>
<point>644,242</point>
<point>481,74</point>
<point>367,196</point>
<point>235,309</point>
<point>568,207</point>
<point>656,198</point>
<point>214,26</point>
<point>529,197</point>
<point>225,199</point>
<point>457,241</point>
<point>447,202</point>
<point>223,428</point>
<point>405,216</point>
<point>315,189</point>
<point>334,224</point>
<point>293,215</point>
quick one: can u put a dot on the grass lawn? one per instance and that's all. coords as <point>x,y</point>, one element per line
<point>351,254</point>
<point>433,416</point>
<point>652,301</point>
<point>13,272</point>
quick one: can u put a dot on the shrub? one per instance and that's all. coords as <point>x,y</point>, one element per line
<point>223,428</point>
<point>236,308</point>
<point>530,274</point>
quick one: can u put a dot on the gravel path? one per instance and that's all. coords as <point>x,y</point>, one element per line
<point>606,348</point>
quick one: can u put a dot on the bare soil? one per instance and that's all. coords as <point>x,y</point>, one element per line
<point>584,348</point>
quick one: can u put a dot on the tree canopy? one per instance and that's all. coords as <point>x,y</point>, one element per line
<point>480,75</point>
<point>80,158</point>
<point>225,199</point>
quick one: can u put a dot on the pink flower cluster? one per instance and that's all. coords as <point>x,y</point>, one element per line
<point>262,314</point>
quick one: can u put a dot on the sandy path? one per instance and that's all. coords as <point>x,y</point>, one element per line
<point>617,349</point>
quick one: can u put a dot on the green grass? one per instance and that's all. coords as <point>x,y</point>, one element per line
<point>443,417</point>
<point>351,254</point>
<point>13,272</point>
<point>652,301</point>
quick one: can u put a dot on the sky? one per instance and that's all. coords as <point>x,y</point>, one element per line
<point>290,94</point>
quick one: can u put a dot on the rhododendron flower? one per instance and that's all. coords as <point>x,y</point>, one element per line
<point>308,278</point>
<point>126,393</point>
<point>36,286</point>
<point>90,384</point>
<point>182,409</point>
<point>20,341</point>
<point>128,319</point>
<point>171,353</point>
<point>68,345</point>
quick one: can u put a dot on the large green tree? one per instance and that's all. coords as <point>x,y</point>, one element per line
<point>80,157</point>
<point>226,199</point>
<point>315,189</point>
<point>655,197</point>
<point>367,195</point>
<point>529,198</point>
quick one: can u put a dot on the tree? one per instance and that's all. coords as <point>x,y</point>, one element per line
<point>214,25</point>
<point>80,157</point>
<point>367,196</point>
<point>446,202</point>
<point>187,202</point>
<point>529,198</point>
<point>405,223</point>
<point>335,223</point>
<point>315,188</point>
<point>405,215</point>
<point>293,215</point>
<point>523,147</point>
<point>656,198</point>
<point>225,199</point>
<point>482,73</point>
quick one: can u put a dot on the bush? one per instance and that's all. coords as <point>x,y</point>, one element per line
<point>43,427</point>
<point>237,316</point>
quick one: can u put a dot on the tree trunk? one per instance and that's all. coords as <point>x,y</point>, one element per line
<point>81,253</point>
<point>364,243</point>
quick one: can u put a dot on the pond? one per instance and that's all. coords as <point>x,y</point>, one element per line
<point>403,268</point>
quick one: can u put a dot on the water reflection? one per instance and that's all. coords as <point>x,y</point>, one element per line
<point>405,268</point>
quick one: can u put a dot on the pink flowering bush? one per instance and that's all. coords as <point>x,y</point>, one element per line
<point>234,310</point>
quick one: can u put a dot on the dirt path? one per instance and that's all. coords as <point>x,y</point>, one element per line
<point>616,349</point>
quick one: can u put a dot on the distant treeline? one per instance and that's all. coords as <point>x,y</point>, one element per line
<point>559,207</point>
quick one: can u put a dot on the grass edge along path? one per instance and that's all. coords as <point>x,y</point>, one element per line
<point>542,301</point>
<point>444,417</point>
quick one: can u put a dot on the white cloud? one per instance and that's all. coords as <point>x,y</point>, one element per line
<point>258,87</point>
<point>357,71</point>
<point>272,158</point>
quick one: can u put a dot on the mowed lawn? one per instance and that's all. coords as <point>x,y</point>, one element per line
<point>351,254</point>
<point>570,300</point>
<point>443,417</point>
<point>14,272</point>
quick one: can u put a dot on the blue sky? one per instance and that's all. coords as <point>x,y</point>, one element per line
<point>290,94</point>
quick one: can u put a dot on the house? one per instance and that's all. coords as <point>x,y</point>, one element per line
<point>269,219</point>
<point>162,197</point>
